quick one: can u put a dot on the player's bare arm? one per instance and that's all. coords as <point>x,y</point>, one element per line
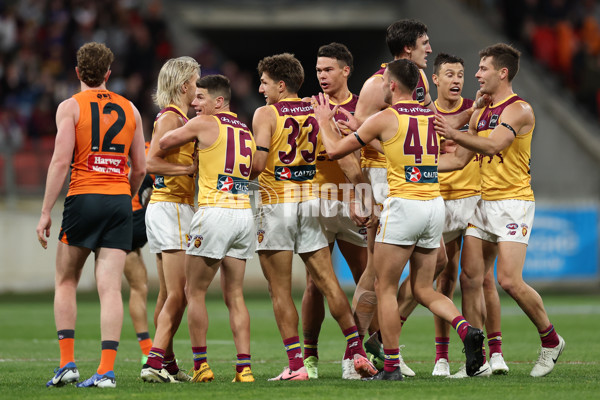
<point>516,119</point>
<point>370,100</point>
<point>337,147</point>
<point>263,125</point>
<point>137,154</point>
<point>67,116</point>
<point>460,156</point>
<point>202,128</point>
<point>155,161</point>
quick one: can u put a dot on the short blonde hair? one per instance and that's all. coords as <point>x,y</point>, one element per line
<point>173,74</point>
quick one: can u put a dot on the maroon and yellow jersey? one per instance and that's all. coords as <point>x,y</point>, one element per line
<point>180,188</point>
<point>371,158</point>
<point>226,165</point>
<point>505,175</point>
<point>103,136</point>
<point>412,170</point>
<point>464,182</point>
<point>290,166</point>
<point>329,176</point>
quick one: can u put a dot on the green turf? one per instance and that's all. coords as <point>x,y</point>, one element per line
<point>29,353</point>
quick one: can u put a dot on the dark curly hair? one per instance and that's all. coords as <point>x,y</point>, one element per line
<point>283,67</point>
<point>93,61</point>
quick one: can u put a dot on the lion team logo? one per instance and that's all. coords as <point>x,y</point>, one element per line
<point>198,241</point>
<point>283,174</point>
<point>378,229</point>
<point>225,183</point>
<point>524,229</point>
<point>413,174</point>
<point>260,235</point>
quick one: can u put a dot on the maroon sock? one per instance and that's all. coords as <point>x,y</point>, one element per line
<point>460,324</point>
<point>294,353</point>
<point>199,356</point>
<point>495,342</point>
<point>353,343</point>
<point>311,348</point>
<point>441,348</point>
<point>549,337</point>
<point>243,361</point>
<point>170,364</point>
<point>155,358</point>
<point>391,361</point>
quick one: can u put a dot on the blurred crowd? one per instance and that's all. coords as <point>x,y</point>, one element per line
<point>38,44</point>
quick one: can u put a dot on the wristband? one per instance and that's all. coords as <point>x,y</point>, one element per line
<point>261,148</point>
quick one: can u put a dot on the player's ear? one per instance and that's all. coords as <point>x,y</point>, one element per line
<point>434,79</point>
<point>346,70</point>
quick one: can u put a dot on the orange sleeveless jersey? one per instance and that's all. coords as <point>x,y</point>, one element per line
<point>103,135</point>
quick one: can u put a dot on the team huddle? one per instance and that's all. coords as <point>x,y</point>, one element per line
<point>390,174</point>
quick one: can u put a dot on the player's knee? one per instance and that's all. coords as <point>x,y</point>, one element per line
<point>420,294</point>
<point>508,283</point>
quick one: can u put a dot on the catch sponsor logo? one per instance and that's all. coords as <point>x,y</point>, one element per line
<point>232,184</point>
<point>422,174</point>
<point>299,173</point>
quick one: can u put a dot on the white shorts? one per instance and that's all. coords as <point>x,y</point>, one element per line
<point>337,224</point>
<point>217,232</point>
<point>167,226</point>
<point>458,214</point>
<point>407,222</point>
<point>290,226</point>
<point>379,183</point>
<point>502,221</point>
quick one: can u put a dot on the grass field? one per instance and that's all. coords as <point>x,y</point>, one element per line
<point>29,353</point>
